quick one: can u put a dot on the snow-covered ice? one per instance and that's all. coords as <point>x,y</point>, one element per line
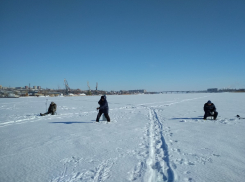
<point>150,138</point>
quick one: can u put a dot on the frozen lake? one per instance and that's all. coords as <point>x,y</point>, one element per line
<point>150,138</point>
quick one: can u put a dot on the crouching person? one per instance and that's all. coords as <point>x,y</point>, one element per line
<point>210,110</point>
<point>103,109</point>
<point>51,109</point>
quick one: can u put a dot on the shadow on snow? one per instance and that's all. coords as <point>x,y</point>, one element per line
<point>69,122</point>
<point>188,118</point>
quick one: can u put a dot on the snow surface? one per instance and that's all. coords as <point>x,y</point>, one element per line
<point>150,138</point>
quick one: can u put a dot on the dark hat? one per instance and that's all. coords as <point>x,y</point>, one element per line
<point>102,97</point>
<point>209,102</point>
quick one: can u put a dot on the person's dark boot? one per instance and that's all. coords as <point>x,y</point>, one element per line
<point>107,117</point>
<point>215,115</point>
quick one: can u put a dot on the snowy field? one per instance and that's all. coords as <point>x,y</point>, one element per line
<point>150,138</point>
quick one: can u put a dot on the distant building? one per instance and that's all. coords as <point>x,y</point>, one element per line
<point>141,91</point>
<point>11,95</point>
<point>212,90</point>
<point>17,87</point>
<point>124,92</point>
<point>38,87</point>
<point>0,86</point>
<point>26,87</point>
<point>33,93</point>
<point>34,87</point>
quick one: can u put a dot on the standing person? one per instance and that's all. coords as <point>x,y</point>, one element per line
<point>51,109</point>
<point>103,109</point>
<point>210,110</point>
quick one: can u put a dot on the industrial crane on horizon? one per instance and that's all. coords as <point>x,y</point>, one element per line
<point>67,87</point>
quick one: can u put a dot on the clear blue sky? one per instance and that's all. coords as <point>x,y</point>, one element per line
<point>123,44</point>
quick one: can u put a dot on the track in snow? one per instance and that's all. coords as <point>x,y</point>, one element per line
<point>98,174</point>
<point>154,164</point>
<point>158,167</point>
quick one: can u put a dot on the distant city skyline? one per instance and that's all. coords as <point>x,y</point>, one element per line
<point>34,87</point>
<point>123,45</point>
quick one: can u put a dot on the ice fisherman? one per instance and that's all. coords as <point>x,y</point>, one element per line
<point>210,110</point>
<point>103,109</point>
<point>51,109</point>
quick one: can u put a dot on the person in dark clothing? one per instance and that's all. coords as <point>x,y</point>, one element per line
<point>51,109</point>
<point>210,110</point>
<point>103,109</point>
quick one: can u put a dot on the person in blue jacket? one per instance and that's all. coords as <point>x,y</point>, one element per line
<point>103,109</point>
